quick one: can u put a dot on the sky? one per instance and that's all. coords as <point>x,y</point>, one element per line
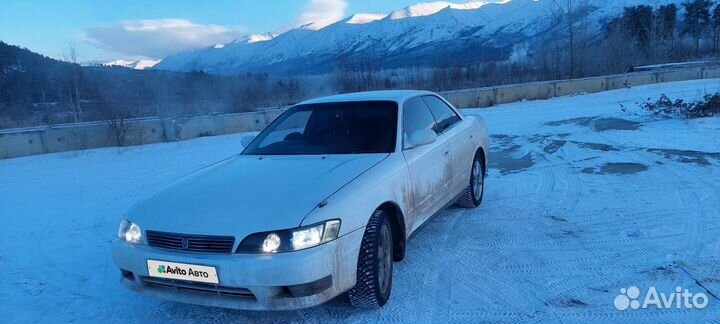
<point>108,30</point>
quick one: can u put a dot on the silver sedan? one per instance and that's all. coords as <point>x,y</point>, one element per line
<point>320,203</point>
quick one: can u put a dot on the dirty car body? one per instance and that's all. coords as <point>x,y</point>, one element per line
<point>282,225</point>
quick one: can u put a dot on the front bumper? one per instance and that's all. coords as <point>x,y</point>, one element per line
<point>249,281</point>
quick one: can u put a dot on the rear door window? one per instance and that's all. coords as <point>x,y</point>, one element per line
<point>445,117</point>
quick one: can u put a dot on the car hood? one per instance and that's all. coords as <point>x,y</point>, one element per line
<point>249,194</point>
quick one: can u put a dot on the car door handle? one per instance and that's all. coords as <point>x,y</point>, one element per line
<point>446,153</point>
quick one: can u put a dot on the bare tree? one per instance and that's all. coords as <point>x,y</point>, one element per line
<point>358,72</point>
<point>560,16</point>
<point>571,36</point>
<point>72,55</point>
<point>716,28</point>
<point>573,15</point>
<point>115,104</point>
<point>344,70</point>
<point>620,51</point>
<point>582,38</point>
<point>115,117</point>
<point>119,125</point>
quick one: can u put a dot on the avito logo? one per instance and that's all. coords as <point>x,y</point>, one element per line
<point>180,271</point>
<point>680,298</point>
<point>170,270</point>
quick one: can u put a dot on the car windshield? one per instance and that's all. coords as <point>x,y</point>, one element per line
<point>330,128</point>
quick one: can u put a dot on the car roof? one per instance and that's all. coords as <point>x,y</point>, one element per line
<point>398,96</point>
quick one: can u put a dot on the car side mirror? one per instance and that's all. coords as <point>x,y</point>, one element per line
<point>246,140</point>
<point>422,137</point>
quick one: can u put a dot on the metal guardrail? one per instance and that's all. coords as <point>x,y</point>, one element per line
<point>671,66</point>
<point>490,96</point>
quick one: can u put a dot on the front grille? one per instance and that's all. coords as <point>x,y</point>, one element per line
<point>197,287</point>
<point>192,243</point>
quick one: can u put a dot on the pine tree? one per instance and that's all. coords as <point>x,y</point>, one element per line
<point>666,16</point>
<point>697,20</point>
<point>639,21</point>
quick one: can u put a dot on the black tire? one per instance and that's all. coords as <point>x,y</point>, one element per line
<point>472,198</point>
<point>375,264</point>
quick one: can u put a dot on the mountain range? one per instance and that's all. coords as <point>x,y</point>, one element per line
<point>425,34</point>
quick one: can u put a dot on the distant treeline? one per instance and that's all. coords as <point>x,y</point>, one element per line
<point>36,90</point>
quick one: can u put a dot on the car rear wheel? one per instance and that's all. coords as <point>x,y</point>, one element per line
<point>472,197</point>
<point>375,264</point>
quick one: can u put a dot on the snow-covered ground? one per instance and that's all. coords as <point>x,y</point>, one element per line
<point>582,199</point>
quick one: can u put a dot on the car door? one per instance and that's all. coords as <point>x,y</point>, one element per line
<point>457,135</point>
<point>428,165</point>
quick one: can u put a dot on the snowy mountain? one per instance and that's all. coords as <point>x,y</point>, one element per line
<point>137,65</point>
<point>419,35</point>
<point>364,18</point>
<point>431,8</point>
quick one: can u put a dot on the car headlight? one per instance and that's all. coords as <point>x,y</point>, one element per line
<point>130,232</point>
<point>292,239</point>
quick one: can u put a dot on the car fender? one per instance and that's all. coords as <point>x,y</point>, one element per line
<point>388,181</point>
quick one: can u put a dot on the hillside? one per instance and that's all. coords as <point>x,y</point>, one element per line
<point>38,90</point>
<point>420,35</point>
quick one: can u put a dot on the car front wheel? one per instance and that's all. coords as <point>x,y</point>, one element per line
<point>375,264</point>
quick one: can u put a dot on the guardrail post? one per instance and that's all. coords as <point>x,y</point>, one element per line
<point>169,129</point>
